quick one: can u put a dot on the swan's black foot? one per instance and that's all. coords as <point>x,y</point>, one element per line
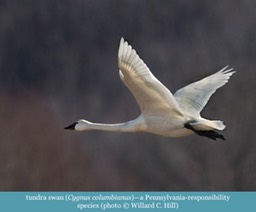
<point>207,133</point>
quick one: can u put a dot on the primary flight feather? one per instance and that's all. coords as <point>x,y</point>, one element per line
<point>162,112</point>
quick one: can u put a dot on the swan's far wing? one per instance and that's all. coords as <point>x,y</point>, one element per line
<point>151,95</point>
<point>193,97</point>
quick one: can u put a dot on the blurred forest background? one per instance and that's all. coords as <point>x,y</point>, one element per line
<point>58,63</point>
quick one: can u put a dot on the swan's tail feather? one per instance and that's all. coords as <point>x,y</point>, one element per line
<point>218,125</point>
<point>204,124</point>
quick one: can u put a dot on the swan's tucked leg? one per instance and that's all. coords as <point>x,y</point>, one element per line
<point>207,133</point>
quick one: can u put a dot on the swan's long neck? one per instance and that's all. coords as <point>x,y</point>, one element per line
<point>130,126</point>
<point>120,127</point>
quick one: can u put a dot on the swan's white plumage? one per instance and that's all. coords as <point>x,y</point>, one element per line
<point>193,97</point>
<point>161,112</point>
<point>151,95</point>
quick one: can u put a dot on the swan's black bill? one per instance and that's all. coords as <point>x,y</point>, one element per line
<point>71,127</point>
<point>206,133</point>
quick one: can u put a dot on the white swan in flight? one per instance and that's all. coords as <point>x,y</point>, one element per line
<point>163,113</point>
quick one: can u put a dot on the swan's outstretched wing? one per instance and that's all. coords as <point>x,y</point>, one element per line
<point>151,95</point>
<point>193,97</point>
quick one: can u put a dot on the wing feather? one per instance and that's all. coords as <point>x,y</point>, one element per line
<point>151,95</point>
<point>193,97</point>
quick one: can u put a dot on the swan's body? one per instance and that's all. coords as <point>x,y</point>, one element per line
<point>161,112</point>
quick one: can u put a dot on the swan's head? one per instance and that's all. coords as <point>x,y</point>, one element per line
<point>79,125</point>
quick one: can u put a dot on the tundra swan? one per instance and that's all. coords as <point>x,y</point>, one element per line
<point>161,112</point>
